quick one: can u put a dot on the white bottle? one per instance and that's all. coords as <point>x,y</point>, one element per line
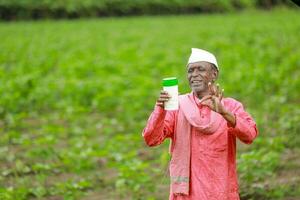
<point>170,85</point>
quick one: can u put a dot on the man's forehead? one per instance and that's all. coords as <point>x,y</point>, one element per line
<point>199,64</point>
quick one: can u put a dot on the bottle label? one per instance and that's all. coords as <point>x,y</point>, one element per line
<point>172,104</point>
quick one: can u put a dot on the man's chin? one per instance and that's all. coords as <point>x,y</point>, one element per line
<point>197,89</point>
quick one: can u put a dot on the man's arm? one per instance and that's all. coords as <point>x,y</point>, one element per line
<point>244,127</point>
<point>240,123</point>
<point>160,125</point>
<point>229,117</point>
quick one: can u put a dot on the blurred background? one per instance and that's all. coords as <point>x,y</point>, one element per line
<point>78,80</point>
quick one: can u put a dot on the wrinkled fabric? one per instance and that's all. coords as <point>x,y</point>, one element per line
<point>212,156</point>
<point>188,116</point>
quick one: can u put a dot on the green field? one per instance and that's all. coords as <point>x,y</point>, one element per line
<point>75,96</point>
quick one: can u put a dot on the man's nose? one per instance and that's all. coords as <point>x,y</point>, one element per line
<point>195,72</point>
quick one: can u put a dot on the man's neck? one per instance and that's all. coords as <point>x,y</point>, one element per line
<point>200,95</point>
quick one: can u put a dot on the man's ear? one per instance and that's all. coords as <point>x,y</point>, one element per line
<point>215,73</point>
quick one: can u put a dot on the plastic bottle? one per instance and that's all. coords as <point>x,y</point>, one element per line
<point>170,85</point>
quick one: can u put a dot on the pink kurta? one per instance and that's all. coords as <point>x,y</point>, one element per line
<point>213,162</point>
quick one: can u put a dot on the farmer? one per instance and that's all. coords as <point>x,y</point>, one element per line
<point>203,134</point>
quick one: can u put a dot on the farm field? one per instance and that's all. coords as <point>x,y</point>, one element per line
<point>76,95</point>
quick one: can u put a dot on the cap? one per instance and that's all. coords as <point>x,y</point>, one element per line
<point>198,55</point>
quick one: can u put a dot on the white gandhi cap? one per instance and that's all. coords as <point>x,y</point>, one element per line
<point>198,55</point>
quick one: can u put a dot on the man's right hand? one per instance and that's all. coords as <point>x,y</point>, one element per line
<point>163,97</point>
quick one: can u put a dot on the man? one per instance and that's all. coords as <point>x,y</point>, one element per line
<point>203,134</point>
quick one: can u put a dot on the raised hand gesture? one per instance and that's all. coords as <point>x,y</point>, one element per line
<point>214,99</point>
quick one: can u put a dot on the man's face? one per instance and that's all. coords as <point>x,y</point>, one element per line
<point>199,74</point>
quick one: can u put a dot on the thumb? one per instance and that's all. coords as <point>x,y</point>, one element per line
<point>208,105</point>
<point>205,98</point>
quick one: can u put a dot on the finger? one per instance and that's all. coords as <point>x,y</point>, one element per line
<point>164,96</point>
<point>164,92</point>
<point>210,88</point>
<point>205,98</point>
<point>222,93</point>
<point>218,90</point>
<point>213,86</point>
<point>163,99</point>
<point>216,108</point>
<point>160,104</point>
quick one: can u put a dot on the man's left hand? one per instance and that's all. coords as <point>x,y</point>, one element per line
<point>214,99</point>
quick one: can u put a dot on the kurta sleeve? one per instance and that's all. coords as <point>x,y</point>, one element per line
<point>160,125</point>
<point>245,128</point>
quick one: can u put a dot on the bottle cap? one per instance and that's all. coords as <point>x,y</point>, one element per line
<point>171,81</point>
